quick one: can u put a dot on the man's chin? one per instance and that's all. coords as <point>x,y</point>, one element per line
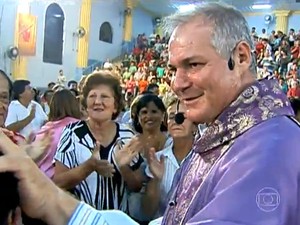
<point>195,116</point>
<point>192,115</point>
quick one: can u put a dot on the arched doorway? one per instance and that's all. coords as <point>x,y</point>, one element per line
<point>105,33</point>
<point>53,34</point>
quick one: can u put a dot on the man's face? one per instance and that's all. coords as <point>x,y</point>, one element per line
<point>4,99</point>
<point>202,79</point>
<point>73,86</point>
<point>51,86</point>
<point>28,93</point>
<point>48,97</point>
<point>155,91</point>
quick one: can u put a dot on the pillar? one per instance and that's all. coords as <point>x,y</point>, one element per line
<point>159,31</point>
<point>282,17</point>
<point>19,66</point>
<point>129,5</point>
<point>83,42</point>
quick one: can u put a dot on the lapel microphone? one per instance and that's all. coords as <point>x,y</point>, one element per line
<point>179,116</point>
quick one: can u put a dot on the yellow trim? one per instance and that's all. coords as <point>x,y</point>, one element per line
<point>83,42</point>
<point>19,66</point>
<point>129,4</point>
<point>254,13</point>
<point>296,12</point>
<point>282,20</point>
<point>273,12</point>
<point>282,13</point>
<point>159,31</point>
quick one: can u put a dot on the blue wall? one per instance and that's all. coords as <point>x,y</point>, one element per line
<point>294,22</point>
<point>106,11</point>
<point>142,23</point>
<point>40,73</point>
<point>259,22</point>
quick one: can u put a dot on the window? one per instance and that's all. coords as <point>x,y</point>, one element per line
<point>105,33</point>
<point>53,35</point>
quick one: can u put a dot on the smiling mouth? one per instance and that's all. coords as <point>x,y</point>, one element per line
<point>176,129</point>
<point>192,98</point>
<point>149,122</point>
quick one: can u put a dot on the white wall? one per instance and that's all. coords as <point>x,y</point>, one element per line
<point>40,73</point>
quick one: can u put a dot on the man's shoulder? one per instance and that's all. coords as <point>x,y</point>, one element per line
<point>38,105</point>
<point>14,103</point>
<point>271,142</point>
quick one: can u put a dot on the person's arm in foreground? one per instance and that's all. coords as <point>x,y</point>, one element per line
<point>40,198</point>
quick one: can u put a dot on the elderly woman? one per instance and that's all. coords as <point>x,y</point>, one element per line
<point>164,164</point>
<point>87,157</point>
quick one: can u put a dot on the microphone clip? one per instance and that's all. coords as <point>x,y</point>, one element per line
<point>179,116</point>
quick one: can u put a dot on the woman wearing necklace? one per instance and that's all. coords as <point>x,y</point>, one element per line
<point>148,121</point>
<point>162,165</point>
<point>86,161</point>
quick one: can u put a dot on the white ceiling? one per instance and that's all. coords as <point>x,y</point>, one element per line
<point>165,7</point>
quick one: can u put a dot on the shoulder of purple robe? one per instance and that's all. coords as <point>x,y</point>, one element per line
<point>257,180</point>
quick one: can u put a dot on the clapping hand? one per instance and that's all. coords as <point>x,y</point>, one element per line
<point>156,166</point>
<point>125,155</point>
<point>102,167</point>
<point>36,149</point>
<point>32,112</point>
<point>33,185</point>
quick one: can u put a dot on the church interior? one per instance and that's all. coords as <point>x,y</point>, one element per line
<point>80,35</point>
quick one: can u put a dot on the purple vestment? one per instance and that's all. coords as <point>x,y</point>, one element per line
<point>245,169</point>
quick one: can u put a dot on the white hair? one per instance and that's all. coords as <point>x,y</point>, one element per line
<point>229,27</point>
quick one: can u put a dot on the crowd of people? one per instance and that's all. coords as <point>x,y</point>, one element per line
<point>112,140</point>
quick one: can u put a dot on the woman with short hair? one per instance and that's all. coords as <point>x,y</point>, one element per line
<point>87,155</point>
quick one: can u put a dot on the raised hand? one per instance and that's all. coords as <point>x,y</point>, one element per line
<point>124,155</point>
<point>102,167</point>
<point>156,166</point>
<point>32,112</point>
<point>39,197</point>
<point>37,149</point>
<point>156,141</point>
<point>30,178</point>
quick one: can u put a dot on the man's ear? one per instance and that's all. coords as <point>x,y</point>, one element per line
<point>243,55</point>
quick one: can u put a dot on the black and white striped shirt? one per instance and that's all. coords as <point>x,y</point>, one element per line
<point>76,146</point>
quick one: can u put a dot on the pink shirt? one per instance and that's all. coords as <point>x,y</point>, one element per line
<point>46,164</point>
